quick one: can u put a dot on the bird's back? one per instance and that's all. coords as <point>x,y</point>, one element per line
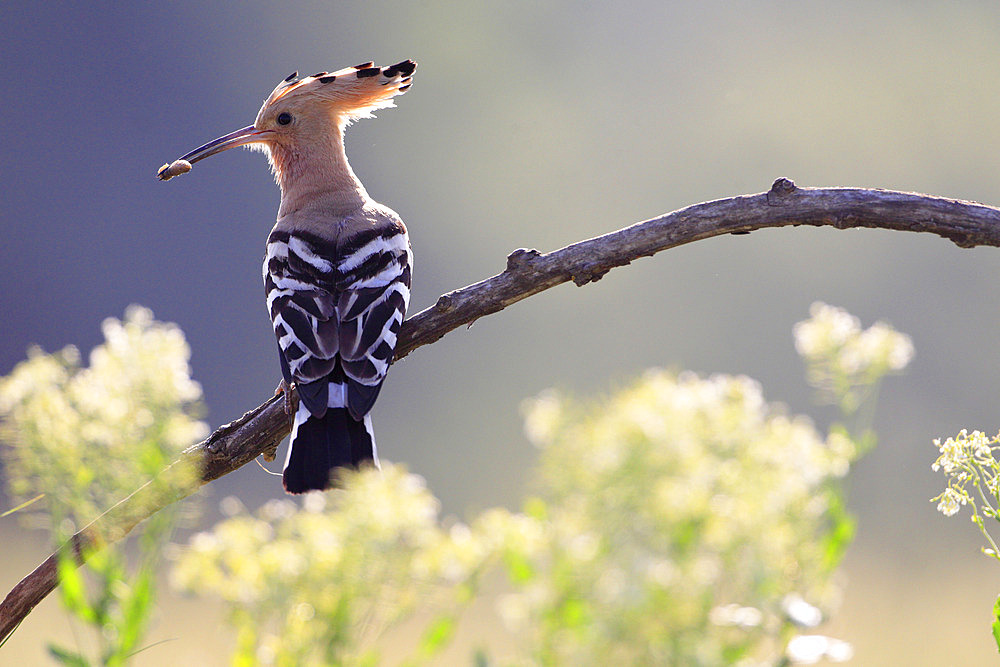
<point>337,292</point>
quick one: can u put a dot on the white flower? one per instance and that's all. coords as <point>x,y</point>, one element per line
<point>231,506</point>
<point>734,614</point>
<point>951,501</point>
<point>810,649</point>
<point>801,612</point>
<point>979,444</point>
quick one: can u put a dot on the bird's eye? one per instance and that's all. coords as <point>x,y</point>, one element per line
<point>284,118</point>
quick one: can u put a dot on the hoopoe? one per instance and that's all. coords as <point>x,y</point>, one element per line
<point>337,264</point>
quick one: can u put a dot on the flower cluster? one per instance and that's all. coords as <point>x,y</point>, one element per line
<point>318,585</point>
<point>81,439</point>
<point>88,436</point>
<point>842,359</point>
<point>970,465</point>
<point>677,517</point>
<point>968,461</point>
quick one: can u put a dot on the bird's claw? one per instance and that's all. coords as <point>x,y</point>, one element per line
<point>291,405</point>
<point>291,398</point>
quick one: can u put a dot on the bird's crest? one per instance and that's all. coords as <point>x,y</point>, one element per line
<point>353,92</point>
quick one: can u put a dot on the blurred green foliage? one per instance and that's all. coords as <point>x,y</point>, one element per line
<point>321,585</point>
<point>82,438</point>
<point>680,520</point>
<point>681,516</point>
<point>88,436</point>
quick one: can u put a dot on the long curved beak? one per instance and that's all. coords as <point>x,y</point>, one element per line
<point>241,137</point>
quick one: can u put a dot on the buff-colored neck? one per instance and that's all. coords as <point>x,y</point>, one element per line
<point>317,175</point>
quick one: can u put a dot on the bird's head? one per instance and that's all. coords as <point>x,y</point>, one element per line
<point>305,117</point>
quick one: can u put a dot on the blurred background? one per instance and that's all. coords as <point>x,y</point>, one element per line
<point>533,125</point>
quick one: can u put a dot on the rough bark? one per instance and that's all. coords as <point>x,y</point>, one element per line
<point>528,272</point>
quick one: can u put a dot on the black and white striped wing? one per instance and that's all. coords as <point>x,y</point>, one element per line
<point>371,307</point>
<point>297,281</point>
<point>337,311</point>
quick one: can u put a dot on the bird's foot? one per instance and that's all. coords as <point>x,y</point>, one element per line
<point>291,398</point>
<point>291,405</point>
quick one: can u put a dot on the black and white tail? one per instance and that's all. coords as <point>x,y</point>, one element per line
<point>320,445</point>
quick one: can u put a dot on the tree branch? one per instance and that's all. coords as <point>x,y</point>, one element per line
<point>528,272</point>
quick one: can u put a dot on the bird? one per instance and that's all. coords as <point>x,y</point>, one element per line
<point>336,268</point>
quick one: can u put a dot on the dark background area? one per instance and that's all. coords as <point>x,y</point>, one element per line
<point>537,125</point>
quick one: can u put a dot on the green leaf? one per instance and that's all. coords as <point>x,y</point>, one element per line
<point>437,636</point>
<point>996,622</point>
<point>841,531</point>
<point>573,613</point>
<point>22,505</point>
<point>67,657</point>
<point>136,609</point>
<point>519,568</point>
<point>71,586</point>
